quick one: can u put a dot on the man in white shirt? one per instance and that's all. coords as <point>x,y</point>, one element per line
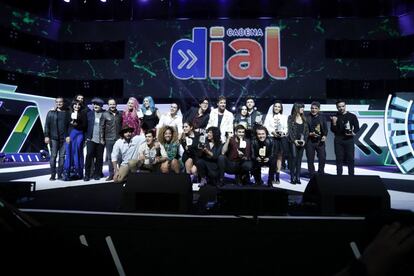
<point>172,119</point>
<point>221,118</point>
<point>125,148</point>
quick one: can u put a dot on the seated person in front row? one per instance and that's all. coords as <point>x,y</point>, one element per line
<point>207,162</point>
<point>168,138</point>
<point>124,150</point>
<point>262,155</point>
<point>235,156</point>
<point>151,155</point>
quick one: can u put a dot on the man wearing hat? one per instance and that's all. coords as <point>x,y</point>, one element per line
<point>94,147</point>
<point>235,156</point>
<point>124,150</point>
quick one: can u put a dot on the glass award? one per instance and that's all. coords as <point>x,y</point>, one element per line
<point>262,152</point>
<point>242,144</point>
<point>348,129</point>
<point>317,130</point>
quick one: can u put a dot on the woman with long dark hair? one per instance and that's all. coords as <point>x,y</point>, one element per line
<point>74,161</point>
<point>207,163</point>
<point>277,125</point>
<point>298,131</point>
<point>190,144</point>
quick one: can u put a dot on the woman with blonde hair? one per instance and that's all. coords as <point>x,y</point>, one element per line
<point>130,116</point>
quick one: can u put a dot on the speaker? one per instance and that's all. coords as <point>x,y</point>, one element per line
<point>252,201</point>
<point>352,195</point>
<point>157,193</point>
<point>16,191</point>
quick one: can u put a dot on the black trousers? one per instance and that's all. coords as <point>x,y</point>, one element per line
<point>237,168</point>
<point>319,148</point>
<point>257,168</point>
<point>344,149</point>
<point>57,146</point>
<point>206,168</point>
<point>109,145</point>
<point>94,155</point>
<point>295,160</point>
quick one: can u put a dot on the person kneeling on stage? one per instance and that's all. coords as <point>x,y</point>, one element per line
<point>262,155</point>
<point>210,151</point>
<point>124,150</point>
<point>151,155</point>
<point>235,156</point>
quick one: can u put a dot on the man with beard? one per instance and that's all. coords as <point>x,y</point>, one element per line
<point>110,125</point>
<point>221,118</point>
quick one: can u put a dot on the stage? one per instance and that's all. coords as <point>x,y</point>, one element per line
<point>400,186</point>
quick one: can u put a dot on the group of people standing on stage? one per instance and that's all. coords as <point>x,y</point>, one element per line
<point>204,143</point>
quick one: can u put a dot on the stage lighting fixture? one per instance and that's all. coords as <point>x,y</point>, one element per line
<point>66,1</point>
<point>103,1</point>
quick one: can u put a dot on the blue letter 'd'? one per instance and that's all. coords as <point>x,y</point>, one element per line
<point>188,58</point>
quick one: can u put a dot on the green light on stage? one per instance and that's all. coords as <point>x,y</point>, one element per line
<point>319,28</point>
<point>386,28</point>
<point>214,84</point>
<point>146,69</point>
<point>92,69</point>
<point>69,29</point>
<point>159,44</point>
<point>15,25</point>
<point>3,58</point>
<point>407,68</point>
<point>27,19</point>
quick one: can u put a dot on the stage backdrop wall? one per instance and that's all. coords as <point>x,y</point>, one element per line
<point>146,68</point>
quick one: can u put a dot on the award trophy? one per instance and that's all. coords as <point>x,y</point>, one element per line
<point>348,128</point>
<point>152,155</point>
<point>262,152</point>
<point>278,127</point>
<point>301,141</point>
<point>317,130</point>
<point>202,141</point>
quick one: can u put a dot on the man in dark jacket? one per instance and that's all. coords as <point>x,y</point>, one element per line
<point>110,125</point>
<point>262,155</point>
<point>344,125</point>
<point>235,156</point>
<point>318,130</point>
<point>55,134</point>
<point>94,147</point>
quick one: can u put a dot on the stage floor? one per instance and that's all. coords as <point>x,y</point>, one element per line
<point>399,186</point>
